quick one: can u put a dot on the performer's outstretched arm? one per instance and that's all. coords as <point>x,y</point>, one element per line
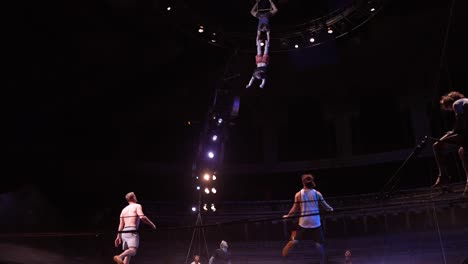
<point>274,9</point>
<point>254,9</point>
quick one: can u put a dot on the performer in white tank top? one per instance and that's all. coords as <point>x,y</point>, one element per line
<point>307,202</point>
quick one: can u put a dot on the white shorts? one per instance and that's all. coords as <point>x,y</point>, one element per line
<point>130,239</point>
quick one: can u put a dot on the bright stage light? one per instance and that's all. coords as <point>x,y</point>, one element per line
<point>198,188</point>
<point>262,44</point>
<point>168,8</point>
<point>207,191</point>
<point>210,155</point>
<point>214,177</point>
<point>214,137</point>
<point>220,120</point>
<point>205,207</point>
<point>330,30</point>
<point>312,40</point>
<point>213,190</point>
<point>372,9</point>
<point>296,46</point>
<point>206,177</point>
<point>213,208</point>
<point>194,209</point>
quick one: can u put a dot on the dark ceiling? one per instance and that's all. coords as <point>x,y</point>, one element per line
<point>91,83</point>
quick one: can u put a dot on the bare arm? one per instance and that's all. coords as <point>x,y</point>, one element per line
<point>295,206</point>
<point>254,9</point>
<point>118,239</point>
<point>211,260</point>
<point>324,203</point>
<point>121,226</point>
<point>274,9</point>
<point>144,218</point>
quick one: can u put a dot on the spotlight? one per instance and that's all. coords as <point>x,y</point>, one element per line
<point>214,177</point>
<point>262,44</point>
<point>194,209</point>
<point>213,208</point>
<point>210,155</point>
<point>213,190</point>
<point>198,188</point>
<point>214,137</point>
<point>296,46</point>
<point>200,30</point>
<point>207,191</point>
<point>220,120</point>
<point>213,40</point>
<point>372,9</point>
<point>312,40</point>
<point>205,207</point>
<point>168,8</point>
<point>330,30</point>
<point>196,177</point>
<point>206,177</point>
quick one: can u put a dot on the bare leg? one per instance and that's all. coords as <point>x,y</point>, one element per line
<point>464,159</point>
<point>440,159</point>
<point>127,254</point>
<point>288,247</point>
<point>263,83</point>
<point>250,82</point>
<point>127,260</point>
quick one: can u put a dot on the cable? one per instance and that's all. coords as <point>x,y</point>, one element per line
<point>437,80</point>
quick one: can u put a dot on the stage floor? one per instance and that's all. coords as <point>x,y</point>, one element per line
<point>403,248</point>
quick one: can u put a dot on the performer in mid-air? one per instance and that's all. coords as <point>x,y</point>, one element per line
<point>262,60</point>
<point>263,18</point>
<point>457,103</point>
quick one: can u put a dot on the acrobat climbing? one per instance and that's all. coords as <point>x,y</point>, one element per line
<point>262,60</point>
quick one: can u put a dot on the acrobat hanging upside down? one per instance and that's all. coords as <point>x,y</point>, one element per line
<point>262,60</point>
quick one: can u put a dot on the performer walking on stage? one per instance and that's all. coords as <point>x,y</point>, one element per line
<point>129,221</point>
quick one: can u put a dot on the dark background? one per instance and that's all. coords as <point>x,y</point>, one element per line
<point>96,89</point>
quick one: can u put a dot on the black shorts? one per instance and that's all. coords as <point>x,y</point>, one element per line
<point>262,71</point>
<point>315,234</point>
